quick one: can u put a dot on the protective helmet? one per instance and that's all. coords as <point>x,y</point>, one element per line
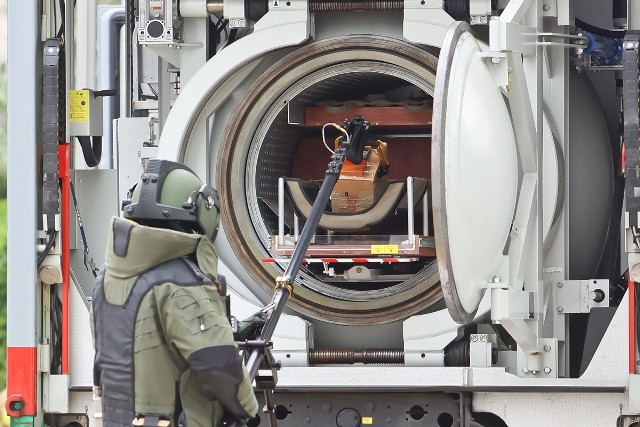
<point>170,195</point>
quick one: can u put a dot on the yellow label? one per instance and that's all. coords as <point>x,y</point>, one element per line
<point>384,249</point>
<point>79,105</point>
<point>367,420</point>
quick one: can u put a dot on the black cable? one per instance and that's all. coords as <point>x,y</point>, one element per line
<point>56,333</point>
<point>48,246</point>
<point>603,32</point>
<point>232,36</point>
<point>62,15</point>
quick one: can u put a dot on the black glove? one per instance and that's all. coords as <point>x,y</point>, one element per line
<point>230,420</point>
<point>249,328</point>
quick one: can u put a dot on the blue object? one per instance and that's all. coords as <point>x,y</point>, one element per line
<point>605,51</point>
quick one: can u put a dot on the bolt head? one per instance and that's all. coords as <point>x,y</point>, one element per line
<point>547,370</point>
<point>534,372</point>
<point>166,213</point>
<point>547,348</point>
<point>546,8</point>
<point>560,284</point>
<point>483,338</point>
<point>496,279</point>
<point>495,60</point>
<point>474,338</point>
<point>560,309</point>
<point>525,371</point>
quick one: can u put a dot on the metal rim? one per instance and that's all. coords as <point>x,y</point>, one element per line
<point>438,168</point>
<point>241,125</point>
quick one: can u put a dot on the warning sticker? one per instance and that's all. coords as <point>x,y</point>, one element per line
<point>367,420</point>
<point>384,249</point>
<point>79,105</point>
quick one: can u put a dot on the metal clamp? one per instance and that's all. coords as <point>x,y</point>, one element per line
<point>283,282</point>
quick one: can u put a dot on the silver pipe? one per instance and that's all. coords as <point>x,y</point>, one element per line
<point>215,6</point>
<point>425,213</point>
<point>411,231</point>
<point>281,211</point>
<point>296,226</point>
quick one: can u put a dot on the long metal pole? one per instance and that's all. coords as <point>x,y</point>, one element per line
<point>281,295</point>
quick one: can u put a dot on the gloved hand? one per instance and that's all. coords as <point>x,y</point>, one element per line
<point>230,421</point>
<point>249,328</point>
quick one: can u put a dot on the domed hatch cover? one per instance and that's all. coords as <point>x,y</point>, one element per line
<point>475,172</point>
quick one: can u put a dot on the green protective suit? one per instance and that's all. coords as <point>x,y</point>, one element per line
<point>178,349</point>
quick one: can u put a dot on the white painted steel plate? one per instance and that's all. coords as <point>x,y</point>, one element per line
<point>475,172</point>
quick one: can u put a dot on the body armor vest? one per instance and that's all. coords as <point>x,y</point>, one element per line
<point>115,330</point>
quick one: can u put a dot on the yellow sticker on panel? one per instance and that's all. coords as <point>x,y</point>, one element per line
<point>384,249</point>
<point>367,421</point>
<point>79,105</point>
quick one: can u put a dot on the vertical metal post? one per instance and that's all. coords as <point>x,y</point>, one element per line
<point>410,223</point>
<point>296,226</point>
<point>111,19</point>
<point>86,12</point>
<point>425,213</point>
<point>85,59</point>
<point>281,211</point>
<point>22,172</point>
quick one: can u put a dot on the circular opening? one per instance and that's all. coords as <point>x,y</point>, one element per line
<point>281,412</point>
<point>155,29</point>
<point>273,136</point>
<point>445,419</point>
<point>254,422</point>
<point>417,412</point>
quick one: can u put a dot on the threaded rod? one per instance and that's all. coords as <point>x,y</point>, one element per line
<point>348,6</point>
<point>387,356</point>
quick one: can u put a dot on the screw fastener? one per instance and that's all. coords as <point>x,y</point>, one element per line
<point>560,309</point>
<point>547,348</point>
<point>547,370</point>
<point>546,8</point>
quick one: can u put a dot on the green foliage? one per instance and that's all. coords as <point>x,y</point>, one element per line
<point>3,130</point>
<point>3,291</point>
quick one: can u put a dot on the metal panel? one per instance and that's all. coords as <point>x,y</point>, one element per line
<point>552,409</point>
<point>23,113</point>
<point>361,409</point>
<point>111,19</point>
<point>81,350</point>
<point>96,190</point>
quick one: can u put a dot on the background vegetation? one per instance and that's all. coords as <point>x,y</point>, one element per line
<point>3,223</point>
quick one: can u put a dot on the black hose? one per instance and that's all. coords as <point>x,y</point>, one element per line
<point>619,9</point>
<point>47,248</point>
<point>602,32</point>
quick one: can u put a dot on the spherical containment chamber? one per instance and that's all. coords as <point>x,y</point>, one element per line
<point>275,131</point>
